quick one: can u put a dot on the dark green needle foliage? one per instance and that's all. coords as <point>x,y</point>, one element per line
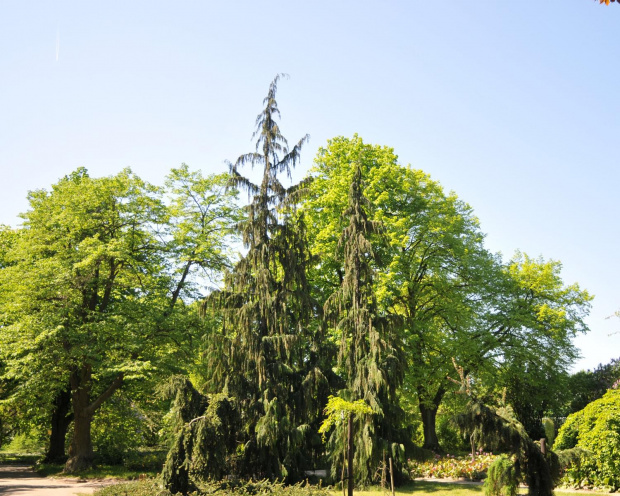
<point>368,360</point>
<point>500,430</point>
<point>265,355</point>
<point>205,436</point>
<point>501,478</point>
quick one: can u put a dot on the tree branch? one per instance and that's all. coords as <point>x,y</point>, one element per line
<point>116,383</point>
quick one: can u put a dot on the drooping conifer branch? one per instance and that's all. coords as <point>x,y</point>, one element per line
<point>265,306</point>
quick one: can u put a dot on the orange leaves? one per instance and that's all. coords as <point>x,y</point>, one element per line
<point>606,2</point>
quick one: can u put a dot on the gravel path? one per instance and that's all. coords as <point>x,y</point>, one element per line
<point>17,480</point>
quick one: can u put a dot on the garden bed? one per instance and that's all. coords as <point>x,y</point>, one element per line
<point>464,468</point>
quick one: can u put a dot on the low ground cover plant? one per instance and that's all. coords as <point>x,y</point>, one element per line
<point>153,487</point>
<point>452,467</point>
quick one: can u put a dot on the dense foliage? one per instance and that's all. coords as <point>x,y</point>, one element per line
<point>205,437</point>
<point>92,294</point>
<point>596,431</point>
<point>587,386</point>
<point>359,293</point>
<point>501,478</point>
<point>500,430</point>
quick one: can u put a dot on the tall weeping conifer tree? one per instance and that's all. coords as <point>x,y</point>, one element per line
<point>369,359</point>
<point>266,342</point>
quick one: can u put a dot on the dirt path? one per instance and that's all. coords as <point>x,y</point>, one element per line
<point>17,480</point>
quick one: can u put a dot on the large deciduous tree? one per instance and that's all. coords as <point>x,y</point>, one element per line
<point>455,300</point>
<point>83,292</point>
<point>516,336</point>
<point>88,296</point>
<point>526,336</point>
<point>431,251</point>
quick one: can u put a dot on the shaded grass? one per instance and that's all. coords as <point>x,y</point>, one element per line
<point>99,472</point>
<point>142,488</point>
<point>147,462</point>
<point>11,458</point>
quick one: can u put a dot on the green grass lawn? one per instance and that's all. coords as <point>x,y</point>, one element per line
<point>422,487</point>
<point>11,458</point>
<point>147,462</point>
<point>418,488</point>
<point>438,489</point>
<point>98,472</point>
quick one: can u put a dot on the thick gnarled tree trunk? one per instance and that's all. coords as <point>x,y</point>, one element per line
<point>81,450</point>
<point>60,421</point>
<point>429,420</point>
<point>429,416</point>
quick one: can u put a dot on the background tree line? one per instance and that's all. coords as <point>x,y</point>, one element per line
<point>364,281</point>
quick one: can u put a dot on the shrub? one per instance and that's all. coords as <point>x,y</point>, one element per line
<point>596,430</point>
<point>120,427</point>
<point>502,479</point>
<point>24,443</point>
<point>568,435</point>
<point>549,427</point>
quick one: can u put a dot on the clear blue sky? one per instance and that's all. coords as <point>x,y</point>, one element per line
<point>513,105</point>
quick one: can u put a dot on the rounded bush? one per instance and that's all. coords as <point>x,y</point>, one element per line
<point>595,429</point>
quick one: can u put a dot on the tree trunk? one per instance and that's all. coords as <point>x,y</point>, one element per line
<point>429,417</point>
<point>81,451</point>
<point>61,419</point>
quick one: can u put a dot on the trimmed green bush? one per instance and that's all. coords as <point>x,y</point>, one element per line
<point>596,430</point>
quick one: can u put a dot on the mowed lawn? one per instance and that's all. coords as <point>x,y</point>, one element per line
<point>418,488</point>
